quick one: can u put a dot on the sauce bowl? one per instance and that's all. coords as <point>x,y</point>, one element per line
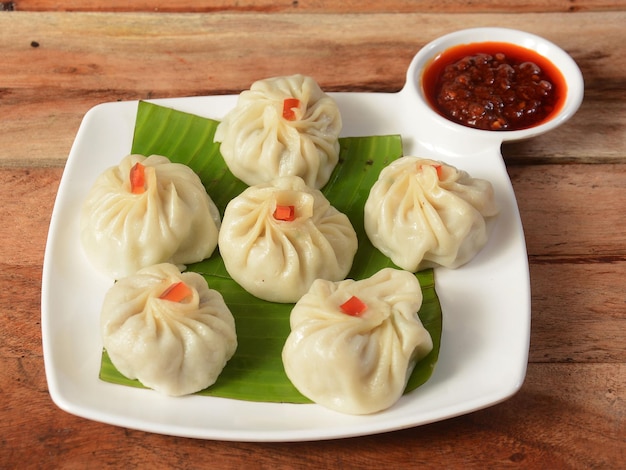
<point>442,130</point>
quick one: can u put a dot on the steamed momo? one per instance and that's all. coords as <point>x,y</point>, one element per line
<point>282,126</point>
<point>174,347</point>
<point>357,362</point>
<point>277,259</point>
<point>422,213</point>
<point>172,219</point>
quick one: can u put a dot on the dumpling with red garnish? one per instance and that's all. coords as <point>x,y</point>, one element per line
<point>423,213</point>
<point>354,344</point>
<point>146,211</point>
<point>167,329</point>
<point>277,238</point>
<point>282,126</point>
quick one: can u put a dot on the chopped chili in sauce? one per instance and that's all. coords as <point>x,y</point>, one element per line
<point>494,86</point>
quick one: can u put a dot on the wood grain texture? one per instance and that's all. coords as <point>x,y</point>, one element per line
<point>578,311</point>
<point>566,416</point>
<point>577,193</point>
<point>83,59</point>
<point>314,6</point>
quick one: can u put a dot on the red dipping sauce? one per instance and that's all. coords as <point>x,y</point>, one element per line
<point>494,86</point>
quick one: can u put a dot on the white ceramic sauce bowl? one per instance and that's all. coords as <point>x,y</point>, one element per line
<point>444,131</point>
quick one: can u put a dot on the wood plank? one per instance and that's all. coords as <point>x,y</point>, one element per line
<point>578,310</point>
<point>319,6</point>
<point>129,49</point>
<point>577,259</point>
<point>121,57</point>
<point>27,196</point>
<point>563,210</point>
<point>565,416</point>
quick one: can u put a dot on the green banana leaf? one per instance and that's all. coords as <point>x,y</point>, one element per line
<point>255,372</point>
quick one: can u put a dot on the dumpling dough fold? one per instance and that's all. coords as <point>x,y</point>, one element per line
<point>423,213</point>
<point>357,364</point>
<point>174,220</point>
<point>175,348</point>
<point>259,145</point>
<point>278,260</point>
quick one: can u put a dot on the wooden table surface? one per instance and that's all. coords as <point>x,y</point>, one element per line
<point>58,59</point>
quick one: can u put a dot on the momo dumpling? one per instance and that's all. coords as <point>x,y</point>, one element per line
<point>167,329</point>
<point>422,213</point>
<point>277,238</point>
<point>281,126</point>
<point>353,344</point>
<point>147,211</point>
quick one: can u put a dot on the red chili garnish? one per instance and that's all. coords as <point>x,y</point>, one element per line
<point>288,108</point>
<point>286,213</point>
<point>177,292</point>
<point>353,306</point>
<point>439,169</point>
<point>137,179</point>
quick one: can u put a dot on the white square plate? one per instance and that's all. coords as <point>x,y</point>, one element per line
<point>486,303</point>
